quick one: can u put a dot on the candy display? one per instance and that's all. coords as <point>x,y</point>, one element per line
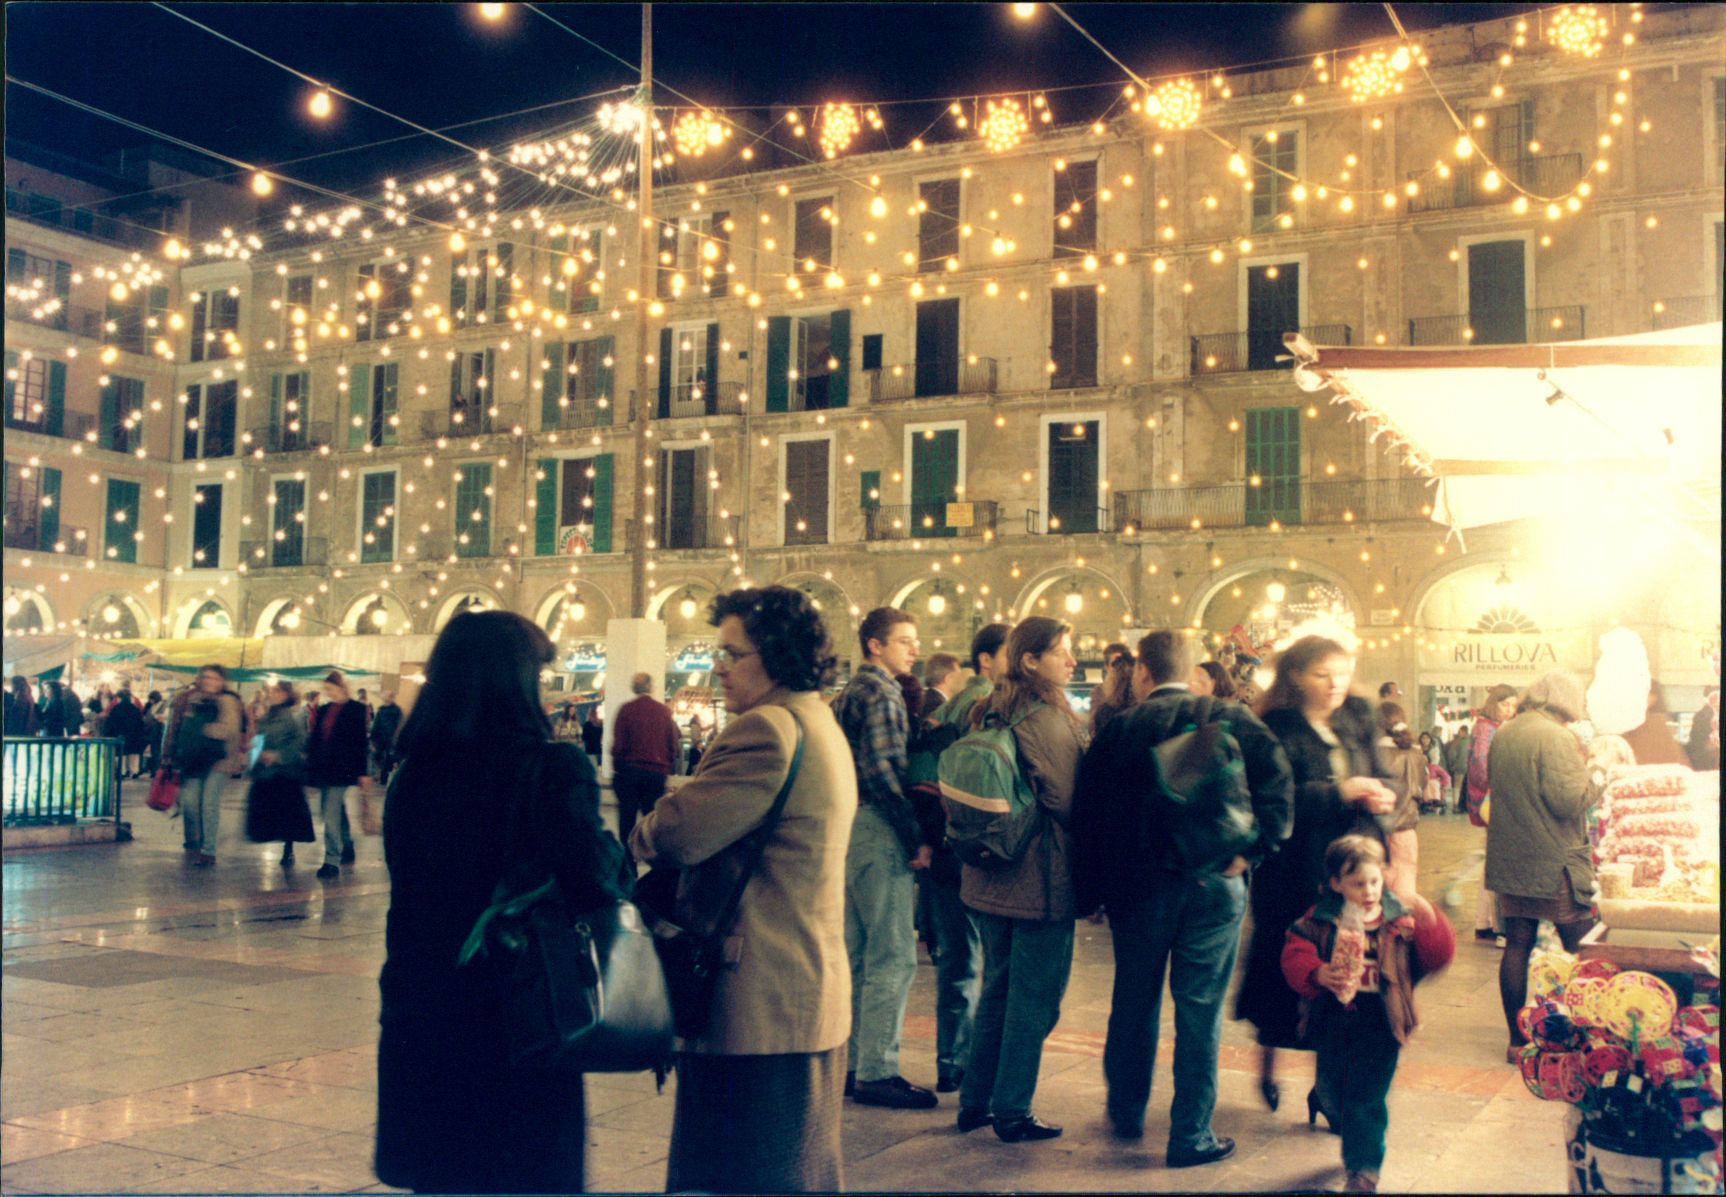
<point>1657,848</point>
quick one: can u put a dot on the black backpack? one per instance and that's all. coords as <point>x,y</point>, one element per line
<point>1198,790</point>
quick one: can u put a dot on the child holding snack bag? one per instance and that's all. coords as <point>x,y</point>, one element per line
<point>1355,958</point>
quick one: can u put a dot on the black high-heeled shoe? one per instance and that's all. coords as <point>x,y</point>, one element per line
<point>1313,1110</point>
<point>1272,1093</point>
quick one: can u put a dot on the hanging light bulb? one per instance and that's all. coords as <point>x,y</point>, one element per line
<point>577,610</point>
<point>937,601</point>
<point>1276,592</point>
<point>110,614</point>
<point>686,606</point>
<point>320,105</point>
<point>1074,602</point>
<point>491,12</point>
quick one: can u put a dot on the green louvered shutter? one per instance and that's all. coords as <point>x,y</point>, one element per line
<point>545,512</point>
<point>558,247</point>
<point>118,542</point>
<point>470,497</point>
<point>457,289</point>
<point>871,489</point>
<point>665,339</point>
<point>387,406</point>
<point>273,435</point>
<point>108,424</point>
<point>503,294</point>
<point>606,386</point>
<point>839,385</point>
<point>63,286</point>
<point>50,521</point>
<point>602,503</point>
<point>359,405</point>
<point>779,363</point>
<point>17,263</point>
<point>11,387</point>
<point>710,388</point>
<point>553,380</point>
<point>159,307</point>
<point>56,416</point>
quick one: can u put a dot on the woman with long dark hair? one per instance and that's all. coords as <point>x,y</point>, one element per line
<point>20,708</point>
<point>1025,912</point>
<point>276,806</point>
<point>481,795</point>
<point>1341,787</point>
<point>1115,694</point>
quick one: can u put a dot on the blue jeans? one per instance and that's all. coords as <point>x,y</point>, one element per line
<point>1357,1055</point>
<point>958,952</point>
<point>1025,968</point>
<point>333,809</point>
<point>1190,926</point>
<point>881,940</point>
<point>201,808</point>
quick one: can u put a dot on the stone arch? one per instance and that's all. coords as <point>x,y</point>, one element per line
<point>197,615</point>
<point>358,620</point>
<point>269,621</point>
<point>1215,584</point>
<point>950,629</point>
<point>666,605</point>
<point>1105,612</point>
<point>551,613</point>
<point>465,598</point>
<point>27,612</point>
<point>118,616</point>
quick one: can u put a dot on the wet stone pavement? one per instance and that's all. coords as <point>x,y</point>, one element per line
<point>168,1029</point>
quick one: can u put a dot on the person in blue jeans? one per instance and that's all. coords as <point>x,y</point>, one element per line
<point>1165,914</point>
<point>201,740</point>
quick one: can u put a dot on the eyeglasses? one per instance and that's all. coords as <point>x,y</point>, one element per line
<point>907,641</point>
<point>730,656</point>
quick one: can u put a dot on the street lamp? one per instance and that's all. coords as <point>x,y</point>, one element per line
<point>937,601</point>
<point>1075,602</point>
<point>686,606</point>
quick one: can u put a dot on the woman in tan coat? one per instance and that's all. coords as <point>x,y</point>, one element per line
<point>758,1094</point>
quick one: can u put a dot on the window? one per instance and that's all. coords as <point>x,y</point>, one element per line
<point>482,285</point>
<point>1273,308</point>
<point>938,347</point>
<point>1276,166</point>
<point>689,370</point>
<point>937,223</point>
<point>130,322</point>
<point>211,411</point>
<point>1073,452</point>
<point>683,498</point>
<point>808,476</point>
<point>683,250</point>
<point>120,530</point>
<point>288,522</point>
<point>377,516</point>
<point>572,505</point>
<point>35,394</point>
<point>812,233</point>
<point>296,309</point>
<point>36,284</point>
<point>372,415</point>
<point>216,324</point>
<point>290,405</point>
<point>32,507</point>
<point>1073,337</point>
<point>872,343</point>
<point>1076,209</point>
<point>809,361</point>
<point>937,476</point>
<point>1273,464</point>
<point>716,255</point>
<point>1498,292</point>
<point>471,401</point>
<point>121,426</point>
<point>473,497</point>
<point>385,295</point>
<point>577,269</point>
<point>207,526</point>
<point>577,383</point>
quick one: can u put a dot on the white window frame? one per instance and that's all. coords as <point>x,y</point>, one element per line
<point>1073,417</point>
<point>915,430</point>
<point>365,305</point>
<point>585,459</point>
<point>939,176</point>
<point>212,337</point>
<point>474,260</point>
<point>682,392</point>
<point>1247,264</point>
<point>585,233</point>
<point>832,481</point>
<point>360,516</point>
<point>1054,214</point>
<point>203,413</point>
<point>30,392</point>
<point>1526,236</point>
<point>1299,129</point>
<point>796,393</point>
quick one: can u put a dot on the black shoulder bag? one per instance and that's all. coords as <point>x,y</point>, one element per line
<point>691,960</point>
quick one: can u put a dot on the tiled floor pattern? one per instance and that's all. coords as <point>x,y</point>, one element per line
<point>167,1029</point>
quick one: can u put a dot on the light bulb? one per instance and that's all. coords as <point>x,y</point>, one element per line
<point>380,617</point>
<point>1024,11</point>
<point>1276,592</point>
<point>491,12</point>
<point>111,614</point>
<point>320,105</point>
<point>1075,602</point>
<point>578,610</point>
<point>686,608</point>
<point>262,184</point>
<point>937,603</point>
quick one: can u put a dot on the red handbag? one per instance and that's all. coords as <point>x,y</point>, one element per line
<point>164,790</point>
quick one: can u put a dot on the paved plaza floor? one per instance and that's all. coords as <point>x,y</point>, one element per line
<point>169,1029</point>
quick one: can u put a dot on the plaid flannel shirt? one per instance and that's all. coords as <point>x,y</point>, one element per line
<point>872,713</point>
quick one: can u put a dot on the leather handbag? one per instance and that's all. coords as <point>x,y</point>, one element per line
<point>164,790</point>
<point>691,960</point>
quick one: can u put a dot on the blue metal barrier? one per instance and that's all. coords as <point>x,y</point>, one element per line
<point>61,780</point>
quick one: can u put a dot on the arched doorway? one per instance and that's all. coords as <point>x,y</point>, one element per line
<point>117,617</point>
<point>375,614</point>
<point>949,609</point>
<point>205,617</point>
<point>27,613</point>
<point>837,610</point>
<point>1246,615</point>
<point>472,598</point>
<point>1086,598</point>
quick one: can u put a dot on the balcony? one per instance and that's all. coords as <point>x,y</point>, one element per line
<point>73,318</point>
<point>469,420</point>
<point>23,533</point>
<point>51,211</point>
<point>1238,505</point>
<point>692,401</point>
<point>289,439</point>
<point>1070,523</point>
<point>921,380</point>
<point>1551,174</point>
<point>1512,327</point>
<point>304,553</point>
<point>1691,309</point>
<point>908,521</point>
<point>74,425</point>
<point>714,532</point>
<point>1239,352</point>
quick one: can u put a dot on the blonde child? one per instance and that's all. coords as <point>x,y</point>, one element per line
<point>1359,1039</point>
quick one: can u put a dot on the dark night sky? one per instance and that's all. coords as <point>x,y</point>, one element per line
<point>439,64</point>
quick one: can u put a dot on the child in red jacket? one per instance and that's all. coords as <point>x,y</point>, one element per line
<point>1358,1039</point>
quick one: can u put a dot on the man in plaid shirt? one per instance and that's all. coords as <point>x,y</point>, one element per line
<point>880,895</point>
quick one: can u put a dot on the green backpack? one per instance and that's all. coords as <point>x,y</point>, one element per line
<point>992,812</point>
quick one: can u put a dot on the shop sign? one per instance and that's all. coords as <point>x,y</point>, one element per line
<point>575,538</point>
<point>1504,642</point>
<point>693,660</point>
<point>585,659</point>
<point>961,515</point>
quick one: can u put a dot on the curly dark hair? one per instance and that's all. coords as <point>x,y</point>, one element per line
<point>786,629</point>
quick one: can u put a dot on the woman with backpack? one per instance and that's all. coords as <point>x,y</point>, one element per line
<point>202,739</point>
<point>1025,909</point>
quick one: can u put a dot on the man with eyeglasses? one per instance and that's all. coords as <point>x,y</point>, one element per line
<point>880,893</point>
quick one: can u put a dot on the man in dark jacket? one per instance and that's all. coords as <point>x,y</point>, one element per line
<point>1159,907</point>
<point>385,724</point>
<point>644,746</point>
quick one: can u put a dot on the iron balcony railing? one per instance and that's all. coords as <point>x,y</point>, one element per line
<point>470,419</point>
<point>290,553</point>
<point>695,400</point>
<point>909,521</point>
<point>1236,352</point>
<point>1691,309</point>
<point>972,375</point>
<point>1069,523</point>
<point>74,425</point>
<point>1241,505</point>
<point>1469,187</point>
<point>289,438</point>
<point>24,532</point>
<point>50,211</point>
<point>61,780</point>
<point>714,532</point>
<point>1514,326</point>
<point>73,318</point>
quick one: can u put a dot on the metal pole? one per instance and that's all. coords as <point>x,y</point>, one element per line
<point>649,254</point>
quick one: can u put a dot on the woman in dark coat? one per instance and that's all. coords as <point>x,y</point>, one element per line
<point>53,711</point>
<point>123,721</point>
<point>20,708</point>
<point>481,793</point>
<point>336,758</point>
<point>1340,786</point>
<point>276,806</point>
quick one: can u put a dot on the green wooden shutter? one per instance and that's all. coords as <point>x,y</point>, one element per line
<point>457,288</point>
<point>359,405</point>
<point>778,363</point>
<point>839,385</point>
<point>504,291</point>
<point>1273,455</point>
<point>11,387</point>
<point>545,513</point>
<point>602,503</point>
<point>56,416</point>
<point>108,423</point>
<point>17,263</point>
<point>470,497</point>
<point>710,389</point>
<point>277,421</point>
<point>63,282</point>
<point>557,252</point>
<point>553,380</point>
<point>870,491</point>
<point>387,406</point>
<point>159,307</point>
<point>118,543</point>
<point>606,385</point>
<point>665,339</point>
<point>50,520</point>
